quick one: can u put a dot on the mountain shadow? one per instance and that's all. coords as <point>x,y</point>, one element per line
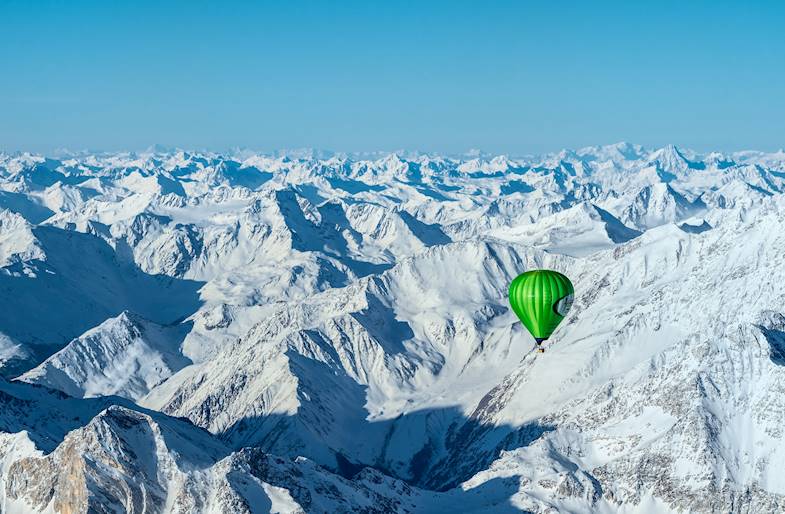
<point>617,231</point>
<point>429,234</point>
<point>81,283</point>
<point>776,340</point>
<point>516,186</point>
<point>48,416</point>
<point>273,470</point>
<point>19,203</point>
<point>353,187</point>
<point>250,177</point>
<point>468,447</point>
<point>328,236</point>
<point>433,448</point>
<point>695,229</point>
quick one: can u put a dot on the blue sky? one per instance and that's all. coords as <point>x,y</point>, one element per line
<point>512,77</point>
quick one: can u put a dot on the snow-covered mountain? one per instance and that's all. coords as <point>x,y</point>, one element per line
<point>125,356</point>
<point>303,332</point>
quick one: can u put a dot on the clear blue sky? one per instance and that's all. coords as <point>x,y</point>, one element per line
<point>513,77</point>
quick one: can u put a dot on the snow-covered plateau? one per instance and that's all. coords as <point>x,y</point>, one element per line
<point>186,332</point>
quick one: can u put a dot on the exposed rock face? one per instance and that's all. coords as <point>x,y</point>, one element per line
<point>210,333</point>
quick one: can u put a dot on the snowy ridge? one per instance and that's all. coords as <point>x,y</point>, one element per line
<point>314,332</point>
<point>125,356</point>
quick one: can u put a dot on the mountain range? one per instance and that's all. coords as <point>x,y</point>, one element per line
<point>312,332</point>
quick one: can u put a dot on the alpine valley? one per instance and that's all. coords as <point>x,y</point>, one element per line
<point>311,332</point>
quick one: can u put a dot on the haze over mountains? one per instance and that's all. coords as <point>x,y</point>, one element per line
<point>198,332</point>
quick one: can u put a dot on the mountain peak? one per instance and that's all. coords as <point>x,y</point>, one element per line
<point>333,332</point>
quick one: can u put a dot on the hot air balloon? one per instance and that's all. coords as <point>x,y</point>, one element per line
<point>541,299</point>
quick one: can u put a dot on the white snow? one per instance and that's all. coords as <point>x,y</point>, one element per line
<point>342,311</point>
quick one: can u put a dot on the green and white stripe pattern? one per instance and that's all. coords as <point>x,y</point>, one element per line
<point>541,299</point>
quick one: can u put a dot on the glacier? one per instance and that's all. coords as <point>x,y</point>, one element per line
<point>307,331</point>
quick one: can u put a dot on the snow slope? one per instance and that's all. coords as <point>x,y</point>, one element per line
<point>125,356</point>
<point>297,332</point>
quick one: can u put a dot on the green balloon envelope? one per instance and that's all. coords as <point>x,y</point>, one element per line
<point>541,299</point>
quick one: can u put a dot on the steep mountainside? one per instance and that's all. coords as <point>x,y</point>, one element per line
<point>227,333</point>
